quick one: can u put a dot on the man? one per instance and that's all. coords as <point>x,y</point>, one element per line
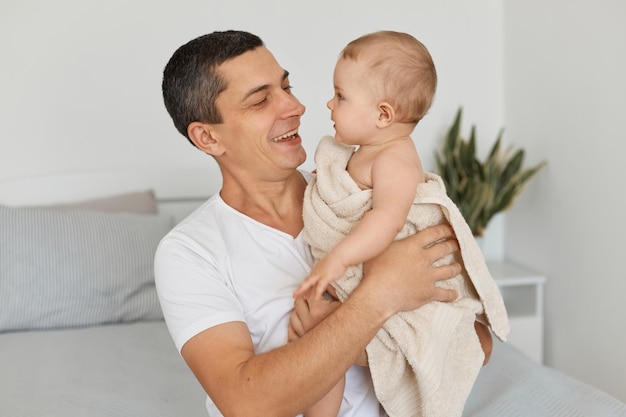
<point>226,274</point>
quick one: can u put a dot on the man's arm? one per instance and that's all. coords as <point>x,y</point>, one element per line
<point>302,321</point>
<point>287,380</point>
<point>486,341</point>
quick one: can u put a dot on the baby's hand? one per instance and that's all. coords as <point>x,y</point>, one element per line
<point>325,271</point>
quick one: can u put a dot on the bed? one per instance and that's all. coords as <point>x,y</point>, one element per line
<point>81,332</point>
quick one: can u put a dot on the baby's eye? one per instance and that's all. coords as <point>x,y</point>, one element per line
<point>339,96</point>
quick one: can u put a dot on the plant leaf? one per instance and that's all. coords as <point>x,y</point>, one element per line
<point>481,189</point>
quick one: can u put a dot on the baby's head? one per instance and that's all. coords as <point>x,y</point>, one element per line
<point>402,69</point>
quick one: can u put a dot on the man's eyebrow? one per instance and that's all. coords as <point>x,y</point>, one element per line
<point>263,87</point>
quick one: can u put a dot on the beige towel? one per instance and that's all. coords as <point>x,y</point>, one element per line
<point>424,362</point>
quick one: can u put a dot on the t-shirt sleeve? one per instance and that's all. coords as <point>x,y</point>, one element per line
<point>194,292</point>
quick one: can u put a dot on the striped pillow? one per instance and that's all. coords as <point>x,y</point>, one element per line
<point>70,268</point>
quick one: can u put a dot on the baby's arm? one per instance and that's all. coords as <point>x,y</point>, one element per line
<point>329,405</point>
<point>395,175</point>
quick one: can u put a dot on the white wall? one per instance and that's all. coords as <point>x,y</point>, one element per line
<point>565,100</point>
<point>80,91</point>
<point>80,79</point>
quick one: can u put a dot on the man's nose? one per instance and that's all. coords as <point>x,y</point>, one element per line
<point>292,105</point>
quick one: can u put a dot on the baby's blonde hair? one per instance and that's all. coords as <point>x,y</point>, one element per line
<point>404,68</point>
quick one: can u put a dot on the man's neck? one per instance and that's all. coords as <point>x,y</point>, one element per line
<point>277,204</point>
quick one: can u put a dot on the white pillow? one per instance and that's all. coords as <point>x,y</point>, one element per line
<point>69,268</point>
<point>133,202</point>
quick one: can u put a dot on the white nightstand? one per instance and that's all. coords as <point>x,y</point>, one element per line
<point>522,291</point>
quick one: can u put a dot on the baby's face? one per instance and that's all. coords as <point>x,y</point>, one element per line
<point>354,107</point>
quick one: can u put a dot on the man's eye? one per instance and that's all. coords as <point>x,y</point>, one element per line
<point>261,102</point>
<point>288,88</point>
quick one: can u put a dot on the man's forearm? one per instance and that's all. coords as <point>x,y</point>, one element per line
<point>304,371</point>
<point>289,379</point>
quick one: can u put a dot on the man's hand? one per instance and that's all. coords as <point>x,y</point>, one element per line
<point>307,313</point>
<point>404,275</point>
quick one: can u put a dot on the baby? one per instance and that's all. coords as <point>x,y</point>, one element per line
<point>384,84</point>
<point>370,189</point>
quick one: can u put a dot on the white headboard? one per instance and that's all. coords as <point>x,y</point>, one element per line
<point>178,191</point>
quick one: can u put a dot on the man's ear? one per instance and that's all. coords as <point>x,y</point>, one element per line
<point>203,136</point>
<point>386,114</point>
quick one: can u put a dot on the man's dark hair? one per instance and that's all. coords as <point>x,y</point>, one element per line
<point>191,82</point>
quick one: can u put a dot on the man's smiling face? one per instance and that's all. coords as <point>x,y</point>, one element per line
<point>260,116</point>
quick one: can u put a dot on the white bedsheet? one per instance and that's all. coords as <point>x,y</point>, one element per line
<point>133,370</point>
<point>117,370</point>
<point>512,385</point>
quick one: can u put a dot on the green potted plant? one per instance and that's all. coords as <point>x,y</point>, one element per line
<point>481,189</point>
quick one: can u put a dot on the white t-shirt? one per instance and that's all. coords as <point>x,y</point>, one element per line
<point>219,265</point>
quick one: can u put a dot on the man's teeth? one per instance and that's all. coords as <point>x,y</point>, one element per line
<point>288,135</point>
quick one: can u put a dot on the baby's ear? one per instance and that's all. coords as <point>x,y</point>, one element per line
<point>386,114</point>
<point>202,135</point>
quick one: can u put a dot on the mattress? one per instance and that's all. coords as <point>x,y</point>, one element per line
<point>513,385</point>
<point>115,370</point>
<point>134,370</point>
